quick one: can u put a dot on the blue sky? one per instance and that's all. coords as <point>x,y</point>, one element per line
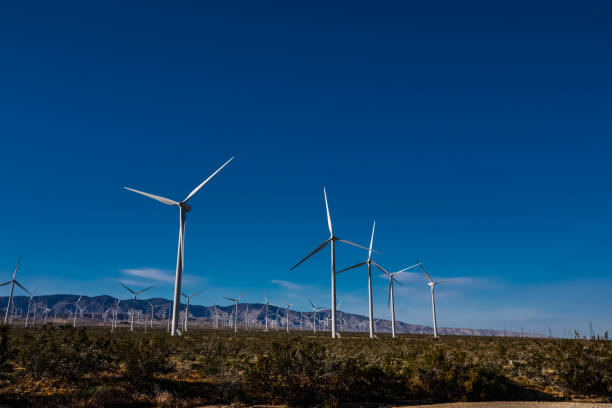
<point>477,137</point>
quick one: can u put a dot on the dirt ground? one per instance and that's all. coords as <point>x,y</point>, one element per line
<point>510,404</point>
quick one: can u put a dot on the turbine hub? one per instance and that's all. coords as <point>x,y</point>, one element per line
<point>186,207</point>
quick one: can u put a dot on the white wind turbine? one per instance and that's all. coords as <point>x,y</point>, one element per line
<point>184,208</point>
<point>28,311</point>
<point>152,313</point>
<point>315,309</point>
<point>236,314</point>
<point>13,282</point>
<point>187,306</point>
<point>115,316</point>
<point>332,239</point>
<point>391,298</point>
<point>134,302</point>
<point>432,284</point>
<point>287,315</point>
<point>369,263</point>
<point>76,307</point>
<point>267,305</point>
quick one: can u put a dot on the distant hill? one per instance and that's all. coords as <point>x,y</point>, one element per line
<point>97,309</point>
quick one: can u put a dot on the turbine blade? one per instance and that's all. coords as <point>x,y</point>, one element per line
<point>320,247</point>
<point>195,190</point>
<point>410,267</point>
<point>233,300</point>
<point>356,245</point>
<point>311,304</point>
<point>182,294</point>
<point>446,281</point>
<point>197,293</point>
<point>352,267</point>
<point>398,282</point>
<point>131,291</point>
<point>16,267</point>
<point>5,283</point>
<point>243,293</point>
<point>389,294</point>
<point>155,197</point>
<point>382,269</point>
<point>138,293</point>
<point>426,274</point>
<point>266,297</point>
<point>329,223</point>
<point>371,241</point>
<point>19,284</point>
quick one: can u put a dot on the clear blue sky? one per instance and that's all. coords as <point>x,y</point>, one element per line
<point>477,136</point>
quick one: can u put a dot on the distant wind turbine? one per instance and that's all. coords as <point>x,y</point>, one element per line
<point>187,306</point>
<point>134,301</point>
<point>236,314</point>
<point>432,284</point>
<point>369,263</point>
<point>332,239</point>
<point>315,309</point>
<point>76,308</point>
<point>391,298</point>
<point>184,208</point>
<point>13,282</point>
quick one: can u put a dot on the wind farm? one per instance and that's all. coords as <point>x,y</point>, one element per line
<point>383,204</point>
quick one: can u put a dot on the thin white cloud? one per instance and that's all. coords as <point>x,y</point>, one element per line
<point>286,284</point>
<point>155,274</point>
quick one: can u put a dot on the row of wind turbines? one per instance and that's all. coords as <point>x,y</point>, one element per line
<point>184,208</point>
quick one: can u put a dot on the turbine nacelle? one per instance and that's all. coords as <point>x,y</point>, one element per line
<point>186,207</point>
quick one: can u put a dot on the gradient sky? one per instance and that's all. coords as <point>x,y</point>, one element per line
<point>478,137</point>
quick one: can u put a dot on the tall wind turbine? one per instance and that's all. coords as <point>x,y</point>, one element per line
<point>28,312</point>
<point>236,314</point>
<point>184,208</point>
<point>369,263</point>
<point>287,315</point>
<point>13,282</point>
<point>391,298</point>
<point>432,284</point>
<point>134,302</point>
<point>332,239</point>
<point>187,306</point>
<point>314,315</point>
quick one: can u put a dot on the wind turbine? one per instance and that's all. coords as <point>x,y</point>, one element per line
<point>236,314</point>
<point>287,315</point>
<point>28,311</point>
<point>369,263</point>
<point>76,307</point>
<point>267,305</point>
<point>187,307</point>
<point>134,302</point>
<point>13,282</point>
<point>152,313</point>
<point>184,208</point>
<point>432,284</point>
<point>315,309</point>
<point>391,298</point>
<point>332,239</point>
<point>115,316</point>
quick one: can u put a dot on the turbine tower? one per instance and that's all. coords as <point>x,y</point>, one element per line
<point>76,310</point>
<point>13,282</point>
<point>332,239</point>
<point>187,306</point>
<point>432,284</point>
<point>184,208</point>
<point>369,263</point>
<point>391,298</point>
<point>134,302</point>
<point>236,314</point>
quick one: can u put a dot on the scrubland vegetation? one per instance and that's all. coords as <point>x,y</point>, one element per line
<point>62,366</point>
